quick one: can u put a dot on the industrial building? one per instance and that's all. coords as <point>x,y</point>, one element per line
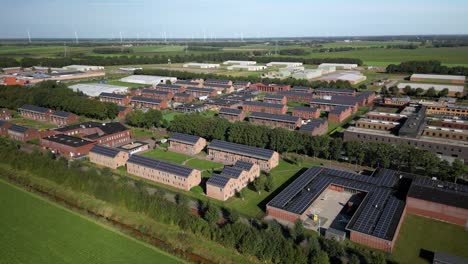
<point>456,79</point>
<point>108,157</point>
<point>201,65</point>
<point>275,120</point>
<point>229,153</point>
<point>246,67</point>
<point>67,146</point>
<point>228,62</point>
<point>95,89</point>
<point>284,64</point>
<point>307,74</point>
<point>344,66</point>
<point>186,144</point>
<point>453,90</point>
<point>83,68</point>
<point>353,77</point>
<point>148,79</point>
<point>174,175</point>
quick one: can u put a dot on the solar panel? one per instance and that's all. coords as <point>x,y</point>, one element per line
<point>217,180</point>
<point>101,150</point>
<point>230,111</point>
<point>34,108</point>
<point>255,152</point>
<point>232,172</point>
<point>184,138</point>
<point>263,104</point>
<point>386,217</point>
<point>440,185</point>
<point>244,165</point>
<point>145,100</point>
<point>161,165</point>
<point>275,117</point>
<point>112,95</point>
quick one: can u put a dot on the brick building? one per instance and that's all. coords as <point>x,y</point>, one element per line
<point>200,92</point>
<point>335,101</point>
<point>397,101</point>
<point>107,134</point>
<point>275,99</point>
<point>365,98</point>
<point>186,144</point>
<point>217,82</point>
<point>223,88</point>
<point>170,88</point>
<point>191,108</point>
<point>187,83</point>
<point>35,112</point>
<point>174,175</point>
<point>392,117</point>
<point>12,80</point>
<point>232,114</point>
<point>339,114</point>
<point>229,153</point>
<point>241,85</point>
<point>119,99</point>
<point>143,102</point>
<point>108,157</point>
<point>123,111</point>
<point>5,114</point>
<point>275,120</point>
<point>4,126</point>
<point>306,112</point>
<point>302,89</point>
<point>62,118</point>
<point>270,88</point>
<point>21,133</point>
<point>447,133</point>
<point>292,96</point>
<point>231,180</point>
<point>448,110</point>
<point>315,127</point>
<point>321,92</point>
<point>377,124</point>
<point>67,146</point>
<point>155,94</point>
<point>255,106</point>
<point>183,98</point>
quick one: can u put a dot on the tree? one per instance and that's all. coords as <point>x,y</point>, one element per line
<point>321,257</point>
<point>458,169</point>
<point>298,231</point>
<point>269,185</point>
<point>211,214</point>
<point>444,92</point>
<point>260,183</point>
<point>431,92</point>
<point>408,90</point>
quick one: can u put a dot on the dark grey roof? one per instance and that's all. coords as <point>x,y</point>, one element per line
<point>160,165</point>
<point>34,108</point>
<point>107,128</point>
<point>378,214</point>
<point>217,81</point>
<point>200,90</point>
<point>168,86</point>
<point>301,88</point>
<point>336,100</point>
<point>254,152</point>
<point>230,111</point>
<point>182,94</point>
<point>414,124</point>
<point>113,95</point>
<point>339,109</point>
<point>439,192</point>
<point>334,90</point>
<point>232,172</point>
<point>186,82</point>
<point>3,122</point>
<point>274,117</point>
<point>444,258</point>
<point>263,104</point>
<point>273,97</point>
<point>293,93</point>
<point>17,128</point>
<point>218,180</point>
<point>145,100</point>
<point>313,124</point>
<point>222,102</point>
<point>121,108</point>
<point>184,138</point>
<point>152,91</point>
<point>105,151</point>
<point>68,140</point>
<point>244,165</point>
<point>217,85</point>
<point>305,108</point>
<point>241,83</point>
<point>62,114</point>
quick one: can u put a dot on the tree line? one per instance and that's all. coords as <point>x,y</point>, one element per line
<point>266,241</point>
<point>399,157</point>
<point>426,67</point>
<point>113,50</point>
<point>418,92</point>
<point>252,79</point>
<point>57,97</point>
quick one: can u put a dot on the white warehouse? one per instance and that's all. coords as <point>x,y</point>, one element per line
<point>247,67</point>
<point>344,66</point>
<point>95,89</point>
<point>148,79</point>
<point>239,62</point>
<point>286,64</point>
<point>201,65</point>
<point>83,68</point>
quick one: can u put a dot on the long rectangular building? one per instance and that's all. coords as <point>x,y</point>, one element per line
<point>108,157</point>
<point>431,77</point>
<point>187,144</point>
<point>255,106</point>
<point>229,153</point>
<point>174,175</point>
<point>275,120</point>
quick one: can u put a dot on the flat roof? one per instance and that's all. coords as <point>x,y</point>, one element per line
<point>438,76</point>
<point>275,117</point>
<point>244,150</point>
<point>437,87</point>
<point>95,89</point>
<point>68,140</point>
<point>147,79</point>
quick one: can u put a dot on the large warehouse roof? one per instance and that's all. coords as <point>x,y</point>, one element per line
<point>437,87</point>
<point>95,89</point>
<point>438,77</point>
<point>148,79</point>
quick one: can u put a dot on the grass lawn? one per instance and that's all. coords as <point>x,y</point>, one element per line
<point>203,164</point>
<point>423,233</point>
<point>167,156</point>
<point>33,123</point>
<point>37,231</point>
<point>169,116</point>
<point>141,132</point>
<point>386,109</point>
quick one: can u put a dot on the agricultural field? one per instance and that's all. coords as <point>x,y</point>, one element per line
<point>35,230</point>
<point>420,233</point>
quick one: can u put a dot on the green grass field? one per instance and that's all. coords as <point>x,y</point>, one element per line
<point>199,164</point>
<point>33,123</point>
<point>35,230</point>
<point>423,233</point>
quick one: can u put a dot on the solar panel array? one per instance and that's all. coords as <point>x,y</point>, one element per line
<point>217,180</point>
<point>230,111</point>
<point>260,153</point>
<point>273,97</point>
<point>161,165</point>
<point>61,114</point>
<point>232,172</point>
<point>374,210</point>
<point>151,91</point>
<point>34,108</point>
<point>145,100</point>
<point>440,185</point>
<point>105,151</point>
<point>275,117</point>
<point>184,138</point>
<point>17,128</point>
<point>168,86</point>
<point>112,95</point>
<point>333,90</point>
<point>199,90</point>
<point>243,165</point>
<point>263,104</point>
<point>217,85</point>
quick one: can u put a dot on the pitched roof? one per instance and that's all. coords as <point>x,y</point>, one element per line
<point>184,138</point>
<point>263,104</point>
<point>305,109</point>
<point>62,114</point>
<point>105,151</point>
<point>160,165</point>
<point>273,97</point>
<point>145,100</point>
<point>34,108</point>
<point>230,111</point>
<point>334,90</point>
<point>17,128</point>
<point>232,172</point>
<point>244,150</point>
<point>218,180</point>
<point>275,117</point>
<point>313,124</point>
<point>113,95</point>
<point>244,165</point>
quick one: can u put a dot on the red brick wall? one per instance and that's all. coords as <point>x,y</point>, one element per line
<point>306,114</point>
<point>454,215</point>
<point>281,214</point>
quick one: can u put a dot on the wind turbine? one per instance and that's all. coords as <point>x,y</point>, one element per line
<point>121,38</point>
<point>29,37</point>
<point>76,38</point>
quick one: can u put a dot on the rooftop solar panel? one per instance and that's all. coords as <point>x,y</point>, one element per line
<point>34,108</point>
<point>145,100</point>
<point>260,153</point>
<point>275,117</point>
<point>161,165</point>
<point>218,180</point>
<point>105,151</point>
<point>184,138</point>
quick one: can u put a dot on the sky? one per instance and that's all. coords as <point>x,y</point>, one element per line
<point>230,18</point>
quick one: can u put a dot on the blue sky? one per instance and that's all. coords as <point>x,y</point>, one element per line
<point>230,18</point>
